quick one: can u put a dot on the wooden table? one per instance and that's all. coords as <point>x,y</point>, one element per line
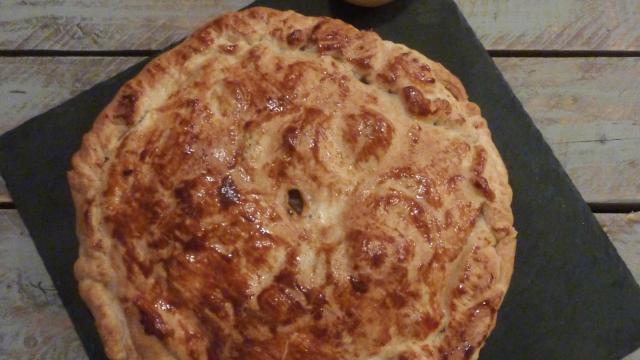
<point>574,64</point>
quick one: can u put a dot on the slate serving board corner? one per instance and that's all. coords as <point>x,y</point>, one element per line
<point>571,295</point>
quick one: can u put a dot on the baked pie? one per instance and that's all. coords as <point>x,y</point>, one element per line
<point>280,186</point>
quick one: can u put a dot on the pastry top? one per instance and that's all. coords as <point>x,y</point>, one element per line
<point>288,187</point>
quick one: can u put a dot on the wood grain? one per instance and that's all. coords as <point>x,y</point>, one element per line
<point>587,108</point>
<point>624,231</point>
<point>555,25</point>
<point>31,86</point>
<point>104,25</point>
<point>151,24</point>
<point>33,322</point>
<point>29,304</point>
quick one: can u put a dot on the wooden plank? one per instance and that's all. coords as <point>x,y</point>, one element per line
<point>624,232</point>
<point>29,304</point>
<point>555,25</point>
<point>104,25</point>
<point>587,108</point>
<point>33,322</point>
<point>149,24</point>
<point>31,86</point>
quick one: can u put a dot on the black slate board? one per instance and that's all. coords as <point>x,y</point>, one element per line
<point>571,295</point>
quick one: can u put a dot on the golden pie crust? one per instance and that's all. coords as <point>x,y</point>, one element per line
<point>287,187</point>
